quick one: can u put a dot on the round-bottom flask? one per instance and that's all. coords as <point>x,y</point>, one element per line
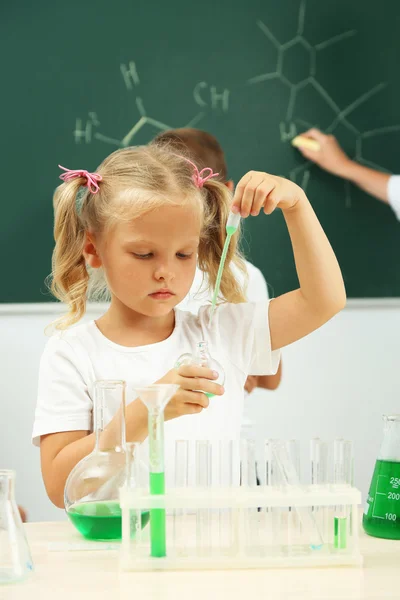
<point>203,358</point>
<point>91,495</point>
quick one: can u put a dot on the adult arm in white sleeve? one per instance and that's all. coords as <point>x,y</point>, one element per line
<point>331,157</point>
<point>393,194</point>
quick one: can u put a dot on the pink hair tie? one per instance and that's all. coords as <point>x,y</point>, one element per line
<point>198,177</point>
<point>91,178</point>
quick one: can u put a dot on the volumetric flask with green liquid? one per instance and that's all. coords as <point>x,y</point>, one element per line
<point>382,511</point>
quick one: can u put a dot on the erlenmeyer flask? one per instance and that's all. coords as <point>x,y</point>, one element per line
<point>91,495</point>
<point>15,556</point>
<point>203,358</point>
<point>382,511</point>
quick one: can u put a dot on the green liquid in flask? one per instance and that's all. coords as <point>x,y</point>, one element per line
<point>100,520</point>
<point>382,512</point>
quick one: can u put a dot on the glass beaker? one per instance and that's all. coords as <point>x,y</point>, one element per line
<point>91,495</point>
<point>382,511</point>
<point>15,556</point>
<point>203,358</point>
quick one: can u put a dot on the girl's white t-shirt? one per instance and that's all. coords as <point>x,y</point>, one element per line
<point>73,360</point>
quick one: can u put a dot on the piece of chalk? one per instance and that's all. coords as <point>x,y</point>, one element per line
<point>301,141</point>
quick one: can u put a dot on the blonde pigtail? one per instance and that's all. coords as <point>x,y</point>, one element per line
<point>69,280</point>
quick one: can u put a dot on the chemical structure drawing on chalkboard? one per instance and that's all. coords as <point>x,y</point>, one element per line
<point>204,95</point>
<point>359,137</point>
<point>298,79</point>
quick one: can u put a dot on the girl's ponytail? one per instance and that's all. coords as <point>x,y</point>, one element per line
<point>69,282</point>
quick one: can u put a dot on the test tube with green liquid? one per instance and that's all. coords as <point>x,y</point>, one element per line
<point>155,397</point>
<point>343,469</point>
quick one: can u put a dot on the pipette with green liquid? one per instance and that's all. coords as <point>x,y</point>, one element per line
<point>231,227</point>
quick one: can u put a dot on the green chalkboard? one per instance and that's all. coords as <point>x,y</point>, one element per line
<point>80,79</point>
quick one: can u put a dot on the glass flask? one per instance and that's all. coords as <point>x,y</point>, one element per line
<point>382,511</point>
<point>203,358</point>
<point>91,495</point>
<point>15,556</point>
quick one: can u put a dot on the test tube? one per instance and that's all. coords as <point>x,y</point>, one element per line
<point>226,449</point>
<point>290,477</point>
<point>349,475</point>
<point>319,461</point>
<point>343,475</point>
<point>248,463</point>
<point>203,480</point>
<point>271,516</point>
<point>249,480</point>
<point>155,397</point>
<point>134,518</point>
<point>319,477</point>
<point>225,476</point>
<point>293,448</point>
<point>181,481</point>
<point>267,463</point>
<point>293,523</point>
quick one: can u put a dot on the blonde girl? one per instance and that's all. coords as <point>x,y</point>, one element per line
<point>135,230</point>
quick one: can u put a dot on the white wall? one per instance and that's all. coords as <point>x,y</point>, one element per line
<point>337,382</point>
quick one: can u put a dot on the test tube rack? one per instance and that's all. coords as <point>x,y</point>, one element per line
<point>243,528</point>
<point>280,523</point>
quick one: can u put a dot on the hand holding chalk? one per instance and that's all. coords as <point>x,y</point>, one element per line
<point>301,141</point>
<point>324,151</point>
